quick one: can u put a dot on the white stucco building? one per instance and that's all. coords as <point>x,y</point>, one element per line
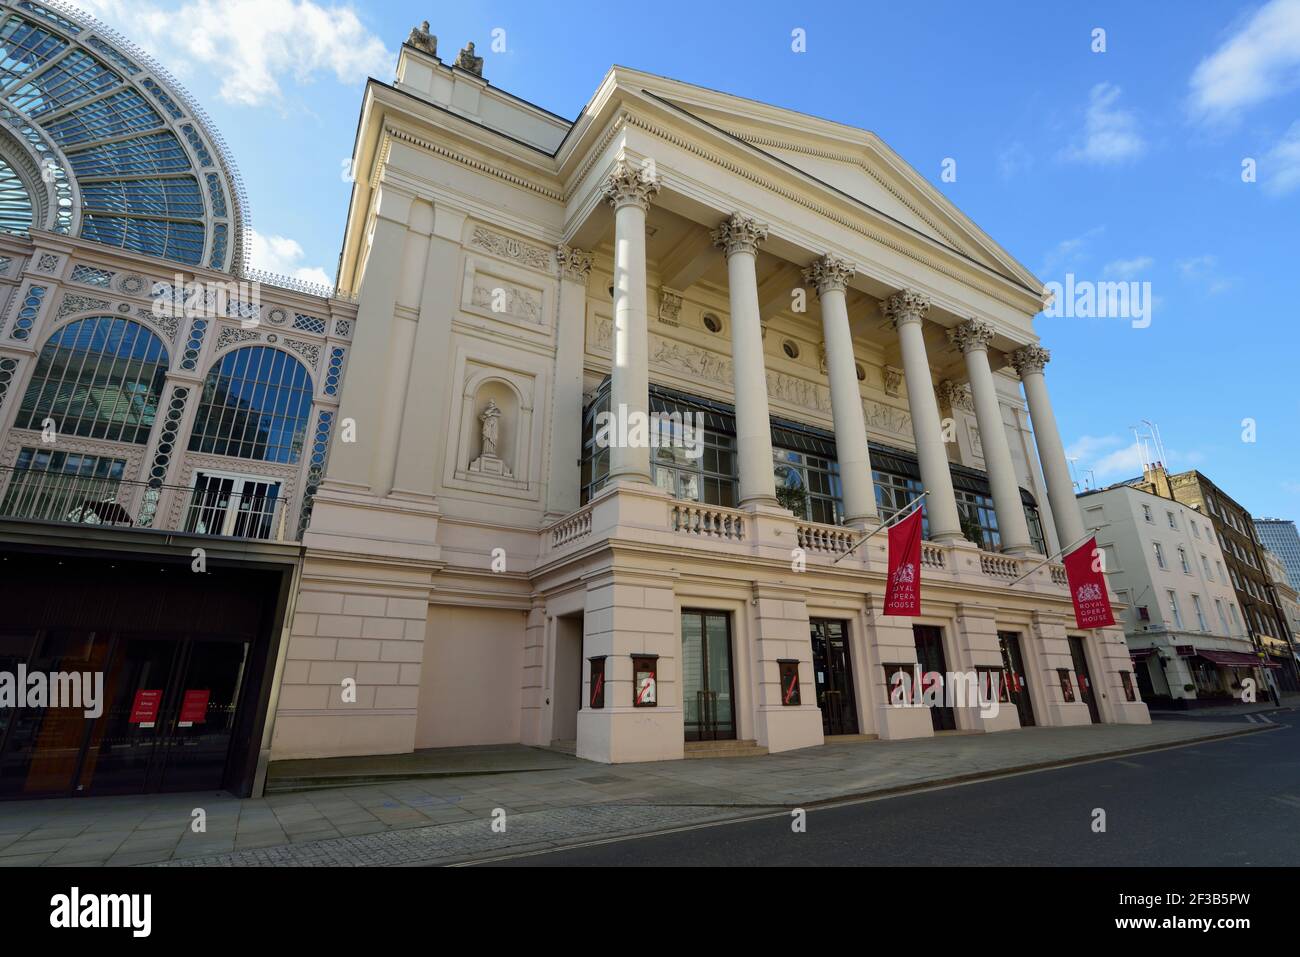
<point>1185,631</point>
<point>487,569</point>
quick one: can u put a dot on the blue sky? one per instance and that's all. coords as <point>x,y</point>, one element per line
<point>1124,164</point>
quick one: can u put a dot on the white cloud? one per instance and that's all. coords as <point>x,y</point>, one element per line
<point>1204,270</point>
<point>1069,252</point>
<point>1114,458</point>
<point>1260,61</point>
<point>251,46</point>
<point>1128,268</point>
<point>1110,134</point>
<point>1280,167</point>
<point>1106,456</point>
<point>283,256</point>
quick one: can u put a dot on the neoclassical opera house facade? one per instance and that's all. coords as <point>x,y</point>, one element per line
<point>487,569</point>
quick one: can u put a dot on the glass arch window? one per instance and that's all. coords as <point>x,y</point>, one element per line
<point>15,202</point>
<point>255,405</point>
<point>99,378</point>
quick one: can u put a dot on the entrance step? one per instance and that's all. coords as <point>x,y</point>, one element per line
<point>565,747</point>
<point>723,749</point>
<point>850,738</point>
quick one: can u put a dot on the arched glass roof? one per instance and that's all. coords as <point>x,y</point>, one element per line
<point>97,141</point>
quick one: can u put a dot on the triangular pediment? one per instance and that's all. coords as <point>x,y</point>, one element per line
<point>853,162</point>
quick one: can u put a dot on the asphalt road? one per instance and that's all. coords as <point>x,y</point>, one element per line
<point>1233,802</point>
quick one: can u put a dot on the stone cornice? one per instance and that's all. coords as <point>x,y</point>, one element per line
<point>473,163</point>
<point>1030,359</point>
<point>829,273</point>
<point>739,234</point>
<point>630,184</point>
<point>906,306</point>
<point>971,335</point>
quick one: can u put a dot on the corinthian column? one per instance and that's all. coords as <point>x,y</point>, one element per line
<point>972,338</point>
<point>1029,362</point>
<point>739,237</point>
<point>628,189</point>
<point>831,278</point>
<point>907,311</point>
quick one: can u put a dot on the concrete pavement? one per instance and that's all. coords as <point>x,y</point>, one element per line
<point>565,801</point>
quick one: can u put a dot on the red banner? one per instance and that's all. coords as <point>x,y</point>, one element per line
<point>1083,570</point>
<point>903,590</point>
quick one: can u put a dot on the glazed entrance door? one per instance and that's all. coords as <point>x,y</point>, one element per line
<point>1013,666</point>
<point>708,699</point>
<point>830,648</point>
<point>929,652</point>
<point>1085,680</point>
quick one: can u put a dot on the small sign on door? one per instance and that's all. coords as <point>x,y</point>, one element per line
<point>144,709</point>
<point>194,708</point>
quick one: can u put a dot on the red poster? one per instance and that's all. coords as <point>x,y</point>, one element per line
<point>903,590</point>
<point>194,707</point>
<point>1088,586</point>
<point>144,709</point>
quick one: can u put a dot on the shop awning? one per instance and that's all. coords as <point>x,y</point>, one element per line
<point>1233,659</point>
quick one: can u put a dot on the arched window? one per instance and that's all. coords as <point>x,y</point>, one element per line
<point>255,405</point>
<point>100,378</point>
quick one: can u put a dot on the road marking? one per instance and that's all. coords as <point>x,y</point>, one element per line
<point>1129,764</point>
<point>784,813</point>
<point>1289,799</point>
<point>1251,718</point>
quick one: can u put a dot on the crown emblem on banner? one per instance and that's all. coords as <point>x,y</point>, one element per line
<point>905,575</point>
<point>1089,592</point>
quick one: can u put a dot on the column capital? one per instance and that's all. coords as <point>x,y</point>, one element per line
<point>574,263</point>
<point>1030,359</point>
<point>739,234</point>
<point>829,273</point>
<point>971,335</point>
<point>906,306</point>
<point>629,184</point>
<point>953,395</point>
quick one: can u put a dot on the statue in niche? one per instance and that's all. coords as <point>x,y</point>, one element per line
<point>422,39</point>
<point>491,419</point>
<point>468,62</point>
<point>488,462</point>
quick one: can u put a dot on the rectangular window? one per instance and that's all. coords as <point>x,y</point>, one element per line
<point>1182,560</point>
<point>1160,555</point>
<point>1223,619</point>
<point>1146,512</point>
<point>1173,521</point>
<point>1173,609</point>
<point>1200,614</point>
<point>1205,564</point>
<point>1196,530</point>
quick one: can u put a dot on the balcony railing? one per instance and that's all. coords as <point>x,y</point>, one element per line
<point>263,514</point>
